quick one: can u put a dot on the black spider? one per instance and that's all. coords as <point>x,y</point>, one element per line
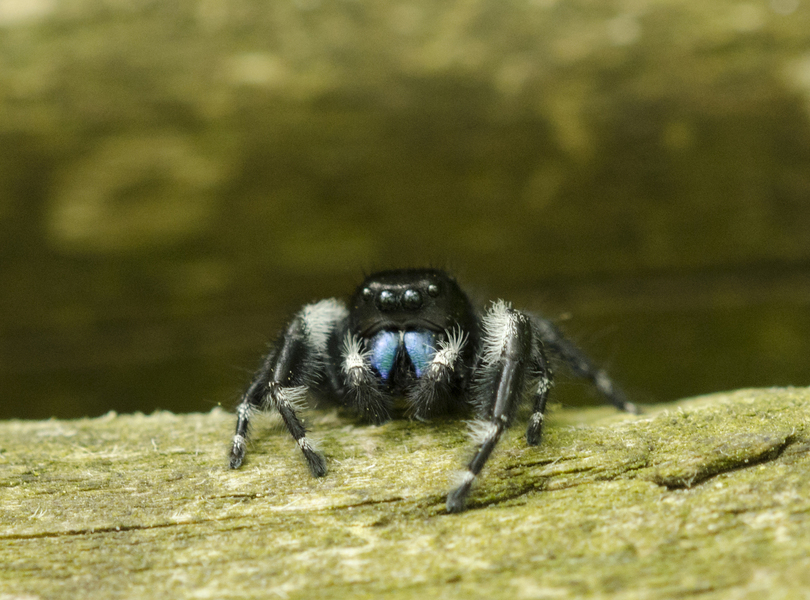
<point>414,335</point>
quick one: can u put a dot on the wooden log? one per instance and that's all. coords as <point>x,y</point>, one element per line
<point>709,496</point>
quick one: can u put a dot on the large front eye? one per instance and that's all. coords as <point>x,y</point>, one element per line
<point>386,300</point>
<point>411,299</point>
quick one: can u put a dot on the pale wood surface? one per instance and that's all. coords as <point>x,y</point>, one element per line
<point>707,497</point>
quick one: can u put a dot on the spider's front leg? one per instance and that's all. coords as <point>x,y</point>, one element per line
<point>505,369</point>
<point>289,370</point>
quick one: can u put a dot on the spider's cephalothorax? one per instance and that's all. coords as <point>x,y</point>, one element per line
<point>411,342</point>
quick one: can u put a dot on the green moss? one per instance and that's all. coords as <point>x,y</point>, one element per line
<point>709,496</point>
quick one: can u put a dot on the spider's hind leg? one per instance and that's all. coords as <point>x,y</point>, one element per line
<point>542,388</point>
<point>581,365</point>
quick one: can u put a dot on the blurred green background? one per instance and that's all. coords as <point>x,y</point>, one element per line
<point>176,178</point>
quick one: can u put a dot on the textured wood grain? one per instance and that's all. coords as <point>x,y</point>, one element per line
<point>710,496</point>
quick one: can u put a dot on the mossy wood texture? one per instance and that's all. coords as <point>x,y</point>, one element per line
<point>707,498</point>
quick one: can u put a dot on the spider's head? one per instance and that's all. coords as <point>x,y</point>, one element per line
<point>409,299</point>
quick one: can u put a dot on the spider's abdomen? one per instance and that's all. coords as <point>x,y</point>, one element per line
<point>394,353</point>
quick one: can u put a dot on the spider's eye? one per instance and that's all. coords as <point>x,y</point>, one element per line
<point>367,294</point>
<point>411,299</point>
<point>386,300</point>
<point>433,290</point>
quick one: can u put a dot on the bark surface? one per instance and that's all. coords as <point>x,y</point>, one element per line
<point>709,497</point>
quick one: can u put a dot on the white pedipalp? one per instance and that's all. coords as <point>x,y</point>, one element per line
<point>354,355</point>
<point>450,349</point>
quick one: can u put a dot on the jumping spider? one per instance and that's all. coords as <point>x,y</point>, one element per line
<point>414,335</point>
